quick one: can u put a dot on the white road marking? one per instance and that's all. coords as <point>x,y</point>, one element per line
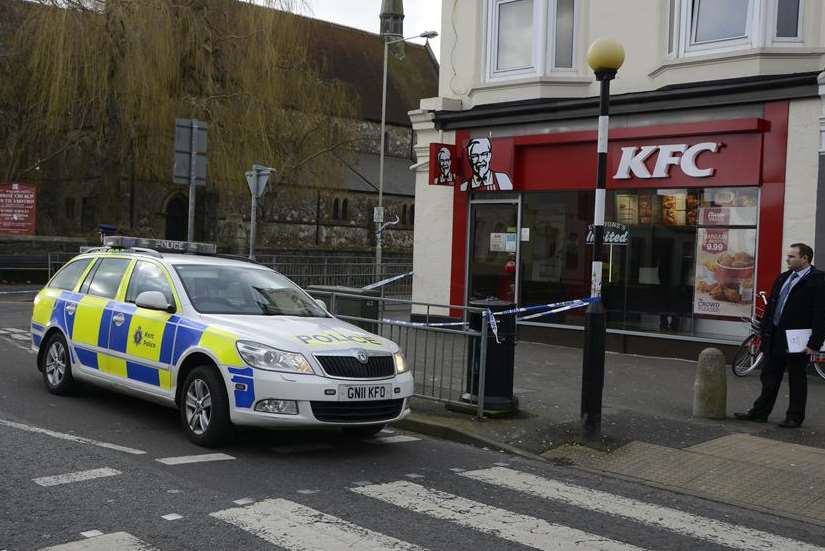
<point>184,459</point>
<point>393,439</point>
<point>14,330</point>
<point>308,492</point>
<point>70,437</point>
<point>3,332</point>
<point>172,516</point>
<point>414,475</point>
<point>457,469</point>
<point>244,501</point>
<point>21,336</point>
<point>300,528</point>
<point>78,476</point>
<point>120,541</point>
<point>523,529</point>
<point>91,533</point>
<point>687,524</point>
<point>302,448</point>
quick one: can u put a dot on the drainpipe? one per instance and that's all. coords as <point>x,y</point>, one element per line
<point>819,235</point>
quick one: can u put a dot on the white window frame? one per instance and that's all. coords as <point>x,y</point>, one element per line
<point>544,41</point>
<point>773,16</point>
<point>760,30</point>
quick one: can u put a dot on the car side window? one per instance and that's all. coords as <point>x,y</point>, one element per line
<point>148,277</point>
<point>107,277</point>
<point>67,277</point>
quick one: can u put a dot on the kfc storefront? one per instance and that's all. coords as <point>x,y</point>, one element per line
<point>694,221</point>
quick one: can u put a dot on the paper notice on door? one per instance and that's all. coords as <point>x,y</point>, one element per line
<point>798,340</point>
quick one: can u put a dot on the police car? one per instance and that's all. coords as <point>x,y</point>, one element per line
<point>228,342</point>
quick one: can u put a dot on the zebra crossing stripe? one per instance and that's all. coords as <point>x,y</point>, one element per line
<point>398,439</point>
<point>202,458</point>
<point>523,529</point>
<point>297,527</point>
<point>121,541</point>
<point>79,476</point>
<point>687,524</point>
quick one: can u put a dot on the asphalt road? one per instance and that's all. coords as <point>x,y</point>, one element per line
<point>93,471</point>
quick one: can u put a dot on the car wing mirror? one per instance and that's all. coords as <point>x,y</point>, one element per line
<point>154,300</point>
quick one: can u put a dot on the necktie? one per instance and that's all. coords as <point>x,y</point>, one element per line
<point>783,296</point>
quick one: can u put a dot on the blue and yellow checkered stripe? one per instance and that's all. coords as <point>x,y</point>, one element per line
<point>114,349</point>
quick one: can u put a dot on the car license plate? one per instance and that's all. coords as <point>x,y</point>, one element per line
<point>364,392</point>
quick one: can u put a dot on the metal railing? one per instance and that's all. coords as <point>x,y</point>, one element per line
<point>354,272</point>
<point>448,363</point>
<point>305,270</point>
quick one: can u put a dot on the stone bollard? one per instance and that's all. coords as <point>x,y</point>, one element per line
<point>710,389</point>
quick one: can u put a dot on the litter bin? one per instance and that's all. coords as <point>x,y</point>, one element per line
<point>361,307</point>
<point>498,381</point>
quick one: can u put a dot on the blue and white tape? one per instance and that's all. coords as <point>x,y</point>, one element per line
<point>423,324</point>
<point>383,282</point>
<point>546,309</point>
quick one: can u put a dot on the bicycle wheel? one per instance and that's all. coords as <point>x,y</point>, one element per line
<point>747,357</point>
<point>819,367</point>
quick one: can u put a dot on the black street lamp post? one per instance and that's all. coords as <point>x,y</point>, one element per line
<point>604,56</point>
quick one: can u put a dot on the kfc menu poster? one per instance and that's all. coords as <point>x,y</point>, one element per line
<point>725,266</point>
<point>18,204</point>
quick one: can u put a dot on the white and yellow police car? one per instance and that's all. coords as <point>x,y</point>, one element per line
<point>228,342</point>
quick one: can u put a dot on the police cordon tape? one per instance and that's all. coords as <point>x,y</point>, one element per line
<point>545,309</point>
<point>383,282</point>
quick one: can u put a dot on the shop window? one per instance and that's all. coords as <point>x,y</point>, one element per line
<point>530,37</point>
<point>676,261</point>
<point>698,27</point>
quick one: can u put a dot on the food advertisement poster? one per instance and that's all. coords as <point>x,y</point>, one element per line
<point>725,264</point>
<point>18,204</point>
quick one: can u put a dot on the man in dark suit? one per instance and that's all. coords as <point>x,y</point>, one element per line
<point>797,302</point>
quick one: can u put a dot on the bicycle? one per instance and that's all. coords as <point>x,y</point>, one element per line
<point>749,356</point>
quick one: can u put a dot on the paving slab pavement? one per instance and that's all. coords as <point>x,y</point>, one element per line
<point>649,434</point>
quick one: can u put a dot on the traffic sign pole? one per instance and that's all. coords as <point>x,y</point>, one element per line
<point>190,226</point>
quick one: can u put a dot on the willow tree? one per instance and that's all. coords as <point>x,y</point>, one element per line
<point>105,80</point>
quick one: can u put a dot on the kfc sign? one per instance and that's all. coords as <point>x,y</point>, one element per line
<point>634,161</point>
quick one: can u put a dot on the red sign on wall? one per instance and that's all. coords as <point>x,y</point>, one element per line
<point>18,209</point>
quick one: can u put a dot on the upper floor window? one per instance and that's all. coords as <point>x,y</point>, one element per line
<point>702,26</point>
<point>529,37</point>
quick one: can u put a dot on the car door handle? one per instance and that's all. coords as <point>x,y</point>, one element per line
<point>70,308</point>
<point>118,319</point>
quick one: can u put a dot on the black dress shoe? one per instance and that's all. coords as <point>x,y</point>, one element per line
<point>790,424</point>
<point>750,416</point>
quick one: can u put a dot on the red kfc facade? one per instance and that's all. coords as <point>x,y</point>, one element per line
<point>694,219</point>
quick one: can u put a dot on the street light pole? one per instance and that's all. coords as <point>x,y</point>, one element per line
<point>605,56</point>
<point>379,213</point>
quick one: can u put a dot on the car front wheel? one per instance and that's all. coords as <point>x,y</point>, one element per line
<point>204,408</point>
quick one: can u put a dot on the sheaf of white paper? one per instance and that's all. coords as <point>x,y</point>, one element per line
<point>798,340</point>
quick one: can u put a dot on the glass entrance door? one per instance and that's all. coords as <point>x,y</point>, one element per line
<point>493,254</point>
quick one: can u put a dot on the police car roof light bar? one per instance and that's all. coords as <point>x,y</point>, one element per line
<point>155,245</point>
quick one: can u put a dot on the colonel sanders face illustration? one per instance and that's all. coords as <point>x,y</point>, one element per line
<point>478,151</point>
<point>444,161</point>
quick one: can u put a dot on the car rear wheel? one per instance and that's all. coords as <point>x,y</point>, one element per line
<point>56,366</point>
<point>363,431</point>
<point>204,408</point>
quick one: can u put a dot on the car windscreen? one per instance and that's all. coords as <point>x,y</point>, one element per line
<point>245,291</point>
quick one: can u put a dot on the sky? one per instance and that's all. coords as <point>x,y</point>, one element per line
<point>419,16</point>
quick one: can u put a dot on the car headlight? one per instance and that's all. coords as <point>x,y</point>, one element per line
<point>265,357</point>
<point>401,365</point>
